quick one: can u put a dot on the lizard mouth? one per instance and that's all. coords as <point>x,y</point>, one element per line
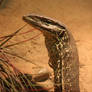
<point>43,23</point>
<point>32,19</point>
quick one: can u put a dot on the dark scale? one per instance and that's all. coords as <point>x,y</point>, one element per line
<point>63,56</point>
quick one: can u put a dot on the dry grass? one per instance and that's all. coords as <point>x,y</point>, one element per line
<point>11,79</point>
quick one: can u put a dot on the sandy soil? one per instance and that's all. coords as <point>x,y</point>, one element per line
<point>75,14</point>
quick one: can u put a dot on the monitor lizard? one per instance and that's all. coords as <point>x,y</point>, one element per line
<point>62,51</point>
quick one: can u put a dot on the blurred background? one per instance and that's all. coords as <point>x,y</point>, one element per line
<point>75,14</point>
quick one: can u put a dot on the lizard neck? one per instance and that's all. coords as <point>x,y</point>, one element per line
<point>56,47</point>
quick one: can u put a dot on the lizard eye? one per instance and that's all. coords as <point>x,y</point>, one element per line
<point>61,34</point>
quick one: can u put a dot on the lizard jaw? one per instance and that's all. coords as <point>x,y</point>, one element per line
<point>43,23</point>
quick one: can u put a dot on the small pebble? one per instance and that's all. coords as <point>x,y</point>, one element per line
<point>42,75</point>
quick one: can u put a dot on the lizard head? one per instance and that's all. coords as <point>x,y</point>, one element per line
<point>45,24</point>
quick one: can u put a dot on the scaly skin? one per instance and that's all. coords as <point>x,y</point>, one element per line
<point>62,52</point>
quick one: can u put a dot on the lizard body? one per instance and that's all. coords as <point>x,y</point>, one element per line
<point>62,52</point>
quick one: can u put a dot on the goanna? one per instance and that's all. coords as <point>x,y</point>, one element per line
<point>61,50</point>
